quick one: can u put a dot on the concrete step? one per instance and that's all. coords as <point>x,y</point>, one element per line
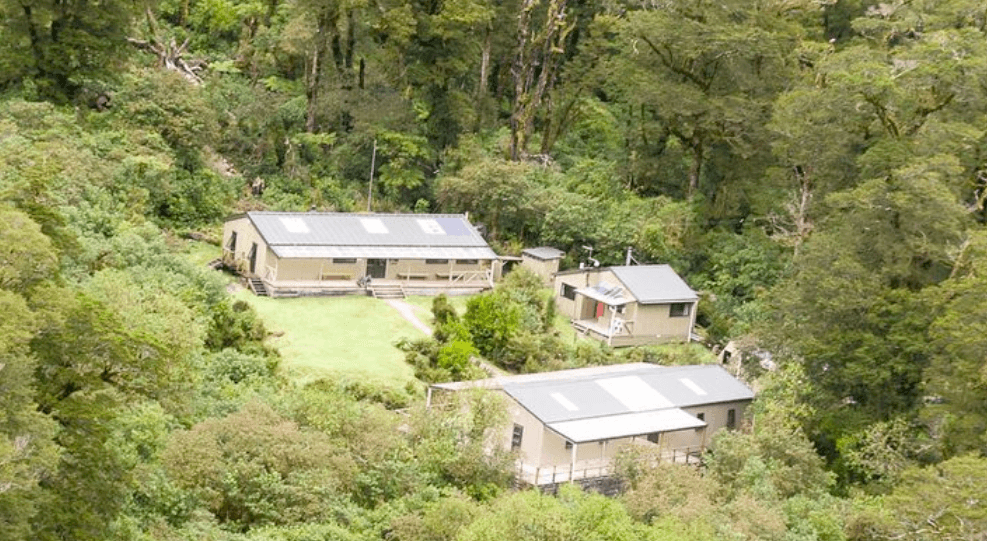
<point>257,286</point>
<point>387,291</point>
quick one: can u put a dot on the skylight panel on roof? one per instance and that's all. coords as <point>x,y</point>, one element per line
<point>374,226</point>
<point>692,386</point>
<point>634,393</point>
<point>294,225</point>
<point>566,403</point>
<point>430,226</point>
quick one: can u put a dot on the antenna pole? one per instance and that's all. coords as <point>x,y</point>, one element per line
<point>370,185</point>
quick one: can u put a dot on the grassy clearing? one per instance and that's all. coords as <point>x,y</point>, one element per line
<point>566,331</point>
<point>199,253</point>
<point>349,337</point>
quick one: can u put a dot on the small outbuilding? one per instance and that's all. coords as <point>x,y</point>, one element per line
<point>571,424</point>
<point>628,305</point>
<point>543,261</point>
<point>312,253</point>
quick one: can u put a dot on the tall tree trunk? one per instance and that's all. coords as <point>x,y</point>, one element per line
<point>523,73</point>
<point>481,88</point>
<point>32,32</point>
<point>545,51</point>
<point>312,90</point>
<point>695,169</point>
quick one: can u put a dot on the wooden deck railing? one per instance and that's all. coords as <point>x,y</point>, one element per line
<point>467,277</point>
<point>590,469</point>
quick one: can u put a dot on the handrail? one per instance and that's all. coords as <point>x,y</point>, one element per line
<point>470,276</point>
<point>593,468</point>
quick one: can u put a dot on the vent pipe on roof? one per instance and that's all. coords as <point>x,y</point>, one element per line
<point>630,258</point>
<point>370,185</point>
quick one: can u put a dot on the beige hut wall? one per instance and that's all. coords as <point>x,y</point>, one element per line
<point>554,452</point>
<point>420,269</point>
<point>576,309</point>
<point>246,236</point>
<point>543,447</point>
<point>546,269</point>
<point>299,269</point>
<point>303,269</point>
<point>531,439</point>
<point>715,416</point>
<point>654,320</point>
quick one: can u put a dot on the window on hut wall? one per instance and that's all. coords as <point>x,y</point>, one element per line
<point>344,260</point>
<point>680,309</point>
<point>517,437</point>
<point>231,246</point>
<point>569,292</point>
<point>436,261</point>
<point>731,418</point>
<point>467,261</point>
<point>701,417</point>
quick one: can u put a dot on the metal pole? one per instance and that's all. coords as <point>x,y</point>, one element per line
<point>370,187</point>
<point>572,463</point>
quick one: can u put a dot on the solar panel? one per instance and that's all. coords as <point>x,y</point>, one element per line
<point>430,226</point>
<point>454,227</point>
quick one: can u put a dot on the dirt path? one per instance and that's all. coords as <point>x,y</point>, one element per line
<point>408,312</point>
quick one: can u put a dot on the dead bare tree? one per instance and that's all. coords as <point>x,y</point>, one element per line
<point>170,55</point>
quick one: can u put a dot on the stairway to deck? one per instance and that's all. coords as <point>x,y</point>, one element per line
<point>257,286</point>
<point>390,291</point>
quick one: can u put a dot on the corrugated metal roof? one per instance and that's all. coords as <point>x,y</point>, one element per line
<point>625,425</point>
<point>654,284</point>
<point>559,375</point>
<point>645,387</point>
<point>384,252</point>
<point>348,229</point>
<point>544,253</point>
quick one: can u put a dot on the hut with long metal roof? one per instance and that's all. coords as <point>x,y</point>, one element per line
<point>571,424</point>
<point>298,253</point>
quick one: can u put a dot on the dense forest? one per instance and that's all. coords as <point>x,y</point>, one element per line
<point>817,169</point>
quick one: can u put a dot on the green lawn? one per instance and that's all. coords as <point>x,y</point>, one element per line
<point>564,327</point>
<point>350,337</point>
<point>200,253</point>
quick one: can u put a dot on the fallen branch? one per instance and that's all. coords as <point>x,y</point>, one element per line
<point>170,55</point>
